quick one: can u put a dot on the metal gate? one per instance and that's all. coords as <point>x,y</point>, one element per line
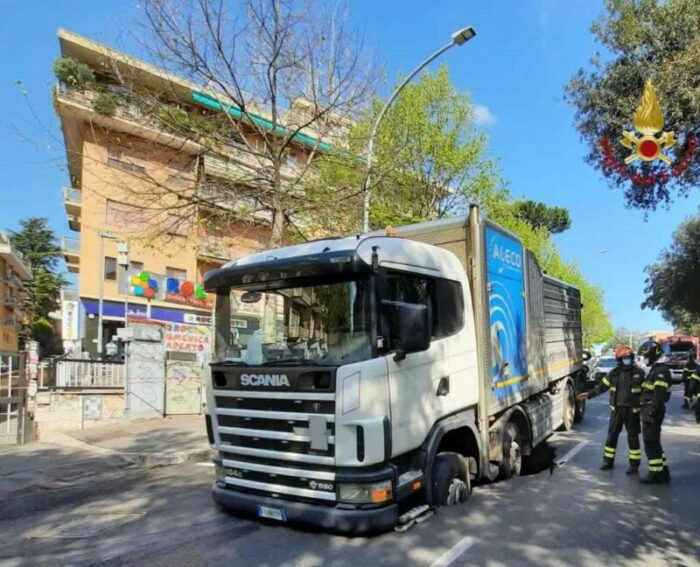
<point>13,399</point>
<point>183,387</point>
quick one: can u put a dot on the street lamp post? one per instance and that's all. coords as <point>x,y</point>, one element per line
<point>459,38</point>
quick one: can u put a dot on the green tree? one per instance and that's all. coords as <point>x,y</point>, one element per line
<point>430,160</point>
<point>37,242</point>
<point>646,39</point>
<point>554,219</point>
<point>672,281</point>
<point>625,336</point>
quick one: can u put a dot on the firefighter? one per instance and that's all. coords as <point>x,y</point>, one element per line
<point>656,391</point>
<point>691,382</point>
<point>625,385</point>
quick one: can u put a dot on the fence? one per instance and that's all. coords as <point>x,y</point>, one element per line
<point>82,374</point>
<point>13,396</point>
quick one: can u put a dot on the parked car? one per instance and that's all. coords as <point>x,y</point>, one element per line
<point>604,365</point>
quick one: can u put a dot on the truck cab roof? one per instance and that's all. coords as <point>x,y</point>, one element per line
<point>337,258</point>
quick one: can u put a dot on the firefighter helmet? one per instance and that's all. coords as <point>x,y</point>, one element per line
<point>623,351</point>
<point>651,350</point>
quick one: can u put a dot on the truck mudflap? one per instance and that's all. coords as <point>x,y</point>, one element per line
<point>350,521</point>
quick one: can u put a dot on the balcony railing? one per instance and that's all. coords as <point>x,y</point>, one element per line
<point>70,246</point>
<point>71,195</point>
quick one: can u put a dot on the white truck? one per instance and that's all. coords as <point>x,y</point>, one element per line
<point>381,373</point>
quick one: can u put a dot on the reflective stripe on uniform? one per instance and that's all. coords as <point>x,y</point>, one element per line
<point>635,455</point>
<point>606,381</point>
<point>661,383</point>
<point>648,386</point>
<point>613,389</point>
<point>656,461</point>
<point>636,410</point>
<point>636,389</point>
<point>609,451</point>
<point>656,469</point>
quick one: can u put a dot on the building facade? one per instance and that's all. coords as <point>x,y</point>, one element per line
<point>15,276</point>
<point>122,167</point>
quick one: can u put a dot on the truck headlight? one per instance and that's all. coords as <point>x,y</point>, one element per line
<point>371,493</point>
<point>220,474</point>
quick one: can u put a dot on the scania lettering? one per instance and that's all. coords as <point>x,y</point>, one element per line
<point>264,380</point>
<point>380,374</point>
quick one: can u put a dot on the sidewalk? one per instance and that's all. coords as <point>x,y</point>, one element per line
<point>147,442</point>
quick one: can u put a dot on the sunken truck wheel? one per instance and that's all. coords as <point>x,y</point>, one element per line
<point>569,409</point>
<point>512,461</point>
<point>451,484</point>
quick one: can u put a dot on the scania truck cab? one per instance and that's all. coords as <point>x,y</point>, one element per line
<point>378,374</point>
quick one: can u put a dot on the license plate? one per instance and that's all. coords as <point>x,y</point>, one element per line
<point>272,513</point>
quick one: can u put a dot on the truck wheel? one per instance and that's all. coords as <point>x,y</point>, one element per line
<point>451,483</point>
<point>569,409</point>
<point>512,462</point>
<point>580,411</point>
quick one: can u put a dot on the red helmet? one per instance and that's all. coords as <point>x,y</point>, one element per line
<point>623,351</point>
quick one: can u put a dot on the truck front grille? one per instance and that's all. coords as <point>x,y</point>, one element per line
<point>266,446</point>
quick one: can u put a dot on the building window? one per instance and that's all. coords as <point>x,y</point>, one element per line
<point>110,268</point>
<point>177,225</point>
<point>125,216</point>
<point>176,273</point>
<point>135,267</point>
<point>124,159</point>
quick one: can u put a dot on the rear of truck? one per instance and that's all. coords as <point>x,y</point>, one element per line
<point>529,337</point>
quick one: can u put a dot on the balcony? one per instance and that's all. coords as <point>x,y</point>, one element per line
<point>72,201</point>
<point>71,253</point>
<point>245,207</point>
<point>215,249</point>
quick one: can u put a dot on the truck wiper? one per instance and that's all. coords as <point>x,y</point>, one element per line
<point>229,363</point>
<point>292,362</point>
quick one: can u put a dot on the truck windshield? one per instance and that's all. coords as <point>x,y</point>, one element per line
<point>326,324</point>
<point>679,349</point>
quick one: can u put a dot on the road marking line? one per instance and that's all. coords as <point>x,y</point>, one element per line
<point>205,464</point>
<point>454,552</point>
<point>571,454</point>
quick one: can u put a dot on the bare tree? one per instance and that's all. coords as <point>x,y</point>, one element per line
<point>286,78</point>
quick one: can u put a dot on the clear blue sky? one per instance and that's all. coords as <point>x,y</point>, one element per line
<point>514,69</point>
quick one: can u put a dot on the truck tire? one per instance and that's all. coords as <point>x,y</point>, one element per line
<point>569,409</point>
<point>580,411</point>
<point>451,484</point>
<point>512,461</point>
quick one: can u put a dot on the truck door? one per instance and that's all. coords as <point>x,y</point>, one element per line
<point>430,384</point>
<point>505,269</point>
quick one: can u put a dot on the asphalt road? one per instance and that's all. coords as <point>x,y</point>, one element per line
<point>96,511</point>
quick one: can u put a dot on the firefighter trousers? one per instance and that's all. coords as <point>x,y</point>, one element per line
<point>651,432</point>
<point>627,417</point>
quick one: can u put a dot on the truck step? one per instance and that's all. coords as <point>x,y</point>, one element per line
<point>417,515</point>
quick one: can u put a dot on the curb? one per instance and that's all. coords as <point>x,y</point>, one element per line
<point>146,460</point>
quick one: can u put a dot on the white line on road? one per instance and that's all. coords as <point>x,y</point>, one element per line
<point>454,552</point>
<point>571,454</point>
<point>205,464</point>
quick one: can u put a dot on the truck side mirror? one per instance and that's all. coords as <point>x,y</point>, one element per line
<point>410,324</point>
<point>586,355</point>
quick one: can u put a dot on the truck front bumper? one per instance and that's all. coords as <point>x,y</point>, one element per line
<point>342,520</point>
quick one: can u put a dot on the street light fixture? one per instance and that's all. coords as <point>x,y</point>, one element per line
<point>459,38</point>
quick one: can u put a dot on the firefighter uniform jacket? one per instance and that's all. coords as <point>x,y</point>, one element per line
<point>625,385</point>
<point>656,389</point>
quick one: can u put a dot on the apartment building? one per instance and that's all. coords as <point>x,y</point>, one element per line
<point>15,275</point>
<point>120,162</point>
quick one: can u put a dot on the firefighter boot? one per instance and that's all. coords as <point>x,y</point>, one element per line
<point>607,465</point>
<point>633,468</point>
<point>653,478</point>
